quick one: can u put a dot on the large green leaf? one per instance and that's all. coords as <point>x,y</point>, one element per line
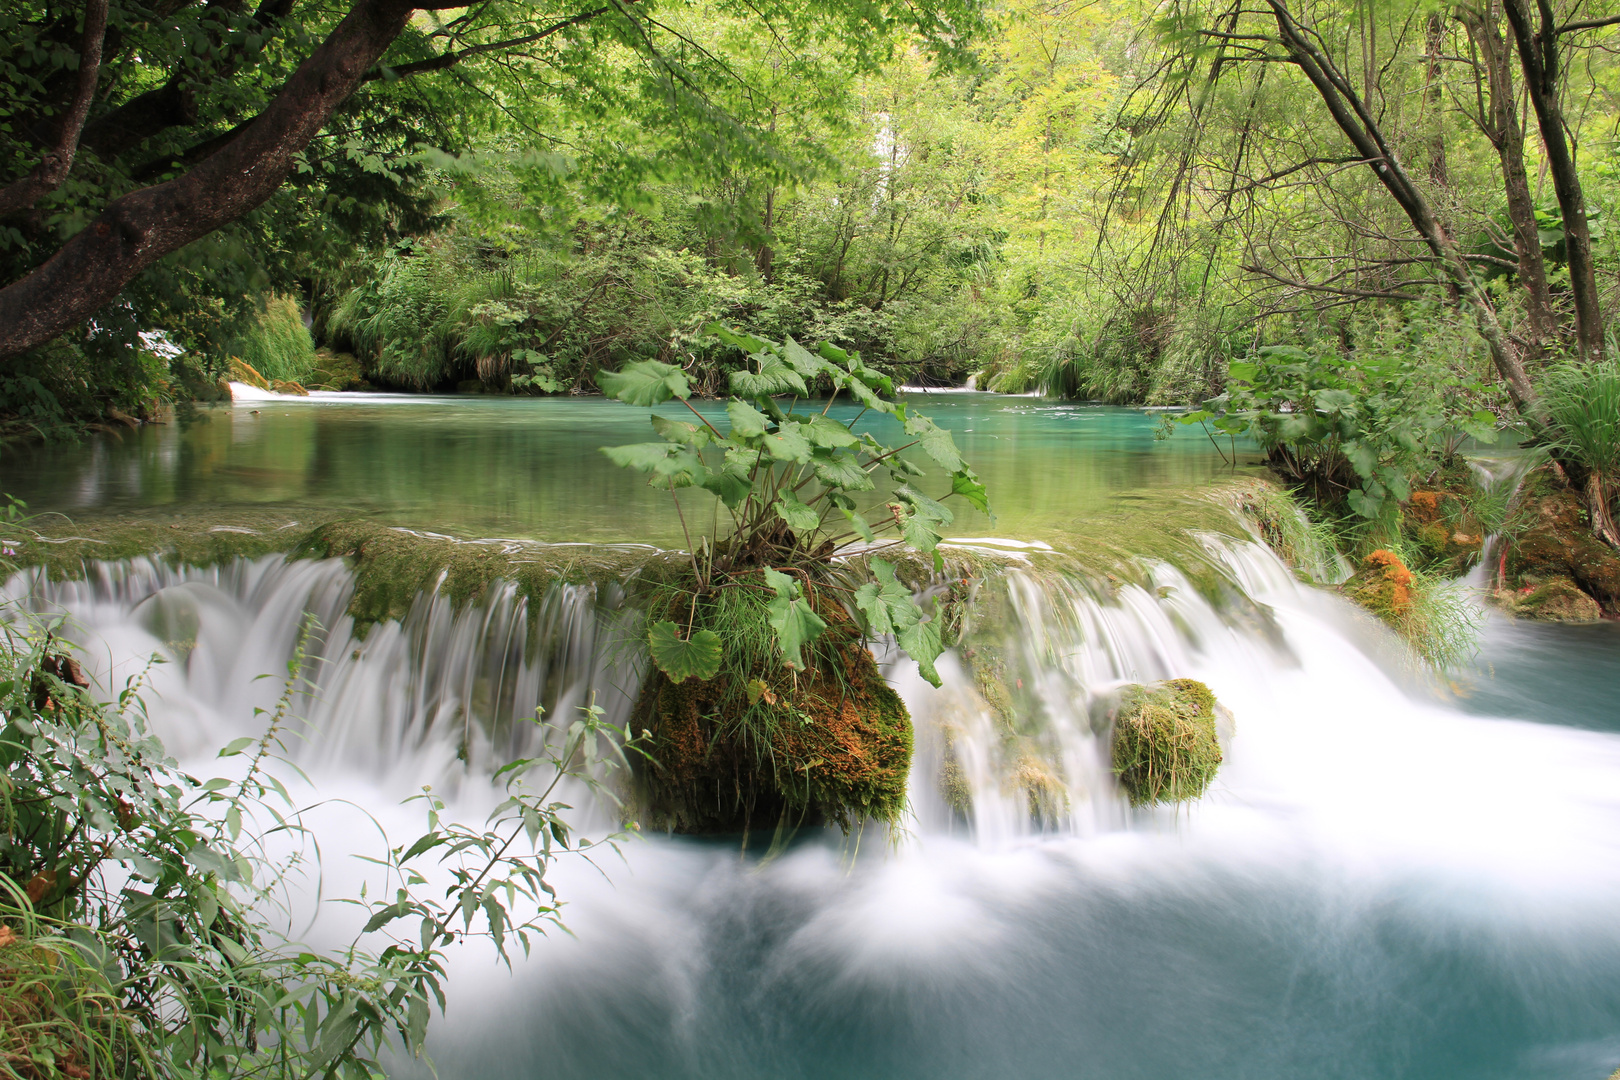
<point>684,467</point>
<point>799,517</point>
<point>966,484</point>
<point>773,377</point>
<point>682,659</point>
<point>804,362</point>
<point>693,435</point>
<point>923,644</point>
<point>796,625</point>
<point>924,506</point>
<point>864,394</point>
<point>640,456</point>
<point>920,534</point>
<point>647,383</point>
<point>746,421</point>
<point>890,609</point>
<point>786,444</point>
<point>936,442</point>
<point>748,343</point>
<point>731,484</point>
<point>840,471</point>
<point>825,431</point>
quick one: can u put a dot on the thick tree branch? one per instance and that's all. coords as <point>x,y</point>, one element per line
<point>48,175</point>
<point>456,56</point>
<point>140,228</point>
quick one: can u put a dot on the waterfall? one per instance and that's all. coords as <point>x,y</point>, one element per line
<point>1376,885</point>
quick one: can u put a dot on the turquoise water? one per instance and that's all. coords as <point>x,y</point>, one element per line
<point>530,468</point>
<point>1386,882</point>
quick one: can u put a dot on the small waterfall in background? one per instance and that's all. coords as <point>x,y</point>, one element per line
<point>1370,867</point>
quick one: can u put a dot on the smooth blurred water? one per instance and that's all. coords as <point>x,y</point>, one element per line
<point>531,468</point>
<point>1387,880</point>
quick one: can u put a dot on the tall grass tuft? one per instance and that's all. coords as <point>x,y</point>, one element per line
<point>275,342</point>
<point>1583,403</point>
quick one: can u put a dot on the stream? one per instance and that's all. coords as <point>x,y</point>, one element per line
<point>1392,875</point>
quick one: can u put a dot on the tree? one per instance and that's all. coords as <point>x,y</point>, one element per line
<point>186,143</point>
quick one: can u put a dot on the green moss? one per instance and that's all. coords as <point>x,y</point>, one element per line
<point>762,745</point>
<point>1165,745</point>
<point>1558,600</point>
<point>337,371</point>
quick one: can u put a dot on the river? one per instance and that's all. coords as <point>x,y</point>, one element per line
<point>1392,876</point>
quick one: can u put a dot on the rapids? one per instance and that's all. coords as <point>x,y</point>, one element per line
<point>1381,883</point>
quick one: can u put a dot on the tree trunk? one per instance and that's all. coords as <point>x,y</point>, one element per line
<point>1500,122</point>
<point>135,231</point>
<point>1538,56</point>
<point>48,175</point>
<point>1357,123</point>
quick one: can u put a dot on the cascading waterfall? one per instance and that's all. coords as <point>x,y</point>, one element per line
<point>1376,885</point>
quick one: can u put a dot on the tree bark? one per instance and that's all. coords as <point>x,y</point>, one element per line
<point>48,175</point>
<point>1351,115</point>
<point>134,231</point>
<point>1499,122</point>
<point>1538,56</point>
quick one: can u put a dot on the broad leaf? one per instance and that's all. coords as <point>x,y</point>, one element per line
<point>840,471</point>
<point>680,659</point>
<point>746,421</point>
<point>825,431</point>
<point>683,466</point>
<point>799,517</point>
<point>863,394</point>
<point>922,643</point>
<point>862,529</point>
<point>924,506</point>
<point>805,363</point>
<point>731,484</point>
<point>936,442</point>
<point>647,383</point>
<point>919,534</point>
<point>773,377</point>
<point>694,435</point>
<point>795,624</point>
<point>641,456</point>
<point>967,485</point>
<point>748,343</point>
<point>786,444</point>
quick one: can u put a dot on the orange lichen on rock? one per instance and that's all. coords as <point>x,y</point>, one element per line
<point>1385,586</point>
<point>838,747</point>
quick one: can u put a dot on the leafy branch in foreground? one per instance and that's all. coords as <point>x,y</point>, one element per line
<point>139,905</point>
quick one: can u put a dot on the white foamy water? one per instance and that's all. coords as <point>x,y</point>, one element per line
<point>1377,885</point>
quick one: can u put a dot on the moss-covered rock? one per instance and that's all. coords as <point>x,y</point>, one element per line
<point>768,746</point>
<point>1558,600</point>
<point>1556,544</point>
<point>1446,530</point>
<point>243,372</point>
<point>337,371</point>
<point>1166,748</point>
<point>1383,585</point>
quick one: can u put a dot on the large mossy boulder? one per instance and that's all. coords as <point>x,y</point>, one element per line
<point>1557,545</point>
<point>769,746</point>
<point>1166,747</point>
<point>1557,600</point>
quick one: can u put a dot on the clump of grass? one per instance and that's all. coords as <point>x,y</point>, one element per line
<point>275,343</point>
<point>1583,403</point>
<point>1432,615</point>
<point>1165,745</point>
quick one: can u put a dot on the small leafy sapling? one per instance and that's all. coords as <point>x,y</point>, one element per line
<point>789,477</point>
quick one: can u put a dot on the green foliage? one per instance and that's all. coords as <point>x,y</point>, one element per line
<point>275,342</point>
<point>788,480</point>
<point>149,894</point>
<point>1583,403</point>
<point>1351,429</point>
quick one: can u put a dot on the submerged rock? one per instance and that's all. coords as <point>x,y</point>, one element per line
<point>1166,746</point>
